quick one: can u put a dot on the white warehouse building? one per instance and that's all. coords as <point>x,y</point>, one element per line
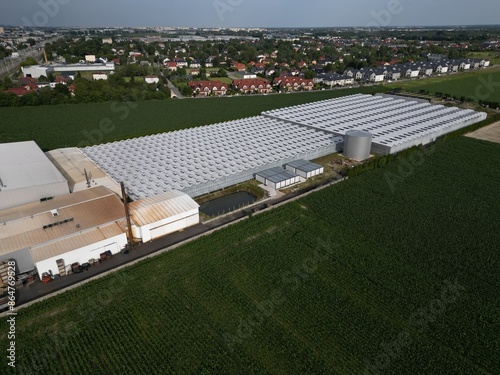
<point>27,175</point>
<point>78,227</point>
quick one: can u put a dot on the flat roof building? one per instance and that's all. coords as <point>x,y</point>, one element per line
<point>304,168</point>
<point>78,227</point>
<point>27,175</point>
<point>277,178</point>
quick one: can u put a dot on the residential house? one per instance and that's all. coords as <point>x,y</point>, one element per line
<point>207,88</point>
<point>293,83</point>
<point>238,66</point>
<point>246,86</point>
<point>464,64</point>
<point>171,66</point>
<point>19,91</point>
<point>394,73</point>
<point>453,66</point>
<point>441,68</point>
<point>195,64</point>
<point>484,63</point>
<point>181,63</point>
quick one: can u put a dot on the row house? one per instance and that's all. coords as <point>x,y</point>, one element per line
<point>207,88</point>
<point>293,83</point>
<point>246,86</point>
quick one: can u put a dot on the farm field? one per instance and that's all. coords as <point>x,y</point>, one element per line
<point>85,124</point>
<point>480,85</point>
<point>394,271</point>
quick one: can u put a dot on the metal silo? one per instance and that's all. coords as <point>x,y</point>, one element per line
<point>357,144</point>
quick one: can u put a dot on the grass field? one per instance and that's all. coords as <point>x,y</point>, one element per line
<point>357,278</point>
<point>84,124</point>
<point>492,56</point>
<point>482,84</point>
<point>222,79</point>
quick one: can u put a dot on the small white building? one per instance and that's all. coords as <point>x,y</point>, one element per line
<point>277,178</point>
<point>162,214</point>
<point>27,175</point>
<point>90,58</point>
<point>152,79</point>
<point>99,76</point>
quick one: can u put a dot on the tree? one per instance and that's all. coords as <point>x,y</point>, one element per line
<point>29,61</point>
<point>309,74</point>
<point>7,82</point>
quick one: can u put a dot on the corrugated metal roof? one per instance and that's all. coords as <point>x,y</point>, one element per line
<point>75,241</point>
<point>61,201</point>
<point>276,174</point>
<point>28,231</point>
<point>161,206</point>
<point>304,165</point>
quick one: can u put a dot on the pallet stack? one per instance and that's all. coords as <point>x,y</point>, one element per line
<point>61,267</point>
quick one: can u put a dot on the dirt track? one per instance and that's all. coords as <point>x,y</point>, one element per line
<point>488,133</point>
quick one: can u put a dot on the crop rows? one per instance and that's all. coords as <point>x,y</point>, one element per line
<point>321,285</point>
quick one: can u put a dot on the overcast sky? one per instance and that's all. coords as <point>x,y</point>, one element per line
<point>248,13</point>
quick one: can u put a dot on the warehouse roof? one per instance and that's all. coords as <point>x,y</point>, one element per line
<point>161,206</point>
<point>23,164</point>
<point>304,165</point>
<point>73,164</point>
<point>76,241</point>
<point>51,221</point>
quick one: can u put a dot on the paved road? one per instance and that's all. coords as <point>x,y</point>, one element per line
<point>175,90</point>
<point>38,289</point>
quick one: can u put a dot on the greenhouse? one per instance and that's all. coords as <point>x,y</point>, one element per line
<point>207,158</point>
<point>396,123</point>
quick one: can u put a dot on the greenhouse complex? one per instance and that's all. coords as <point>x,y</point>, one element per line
<point>200,160</point>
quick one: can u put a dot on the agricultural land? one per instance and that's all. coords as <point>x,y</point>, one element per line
<point>388,272</point>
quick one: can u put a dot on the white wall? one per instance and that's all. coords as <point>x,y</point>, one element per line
<point>18,197</point>
<point>166,226</point>
<point>82,255</point>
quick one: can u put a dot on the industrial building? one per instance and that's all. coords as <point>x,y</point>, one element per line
<point>36,71</point>
<point>162,214</point>
<point>80,172</point>
<point>277,178</point>
<point>304,168</point>
<point>53,234</point>
<point>396,123</point>
<point>27,175</point>
<point>208,158</point>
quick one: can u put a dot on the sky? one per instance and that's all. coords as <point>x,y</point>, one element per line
<point>248,13</point>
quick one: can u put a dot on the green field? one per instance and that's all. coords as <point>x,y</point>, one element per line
<point>394,271</point>
<point>222,79</point>
<point>84,124</point>
<point>492,56</point>
<point>482,84</point>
